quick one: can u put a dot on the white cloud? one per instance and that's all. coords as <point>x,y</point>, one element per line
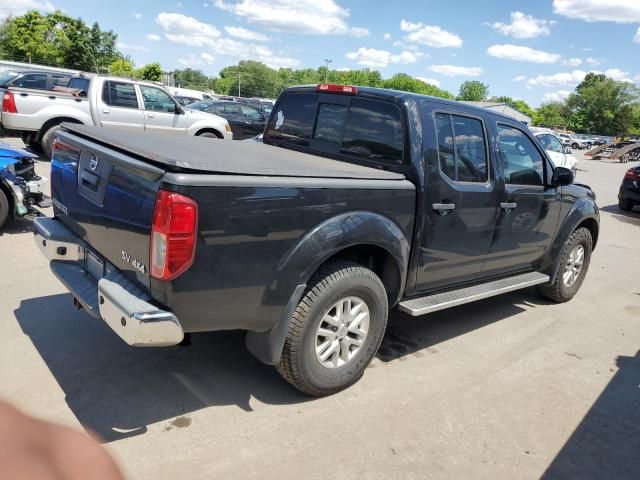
<point>358,32</point>
<point>371,57</point>
<point>457,71</point>
<point>387,36</point>
<point>152,37</point>
<point>131,47</point>
<point>321,17</point>
<point>522,54</point>
<point>619,11</point>
<point>587,49</point>
<point>592,61</point>
<point>523,26</point>
<point>430,35</point>
<point>187,30</point>
<point>245,34</point>
<point>573,62</point>
<point>18,7</point>
<point>636,37</point>
<point>430,81</point>
<point>571,79</point>
<point>136,15</point>
<point>519,78</point>
<point>207,57</point>
<point>558,96</point>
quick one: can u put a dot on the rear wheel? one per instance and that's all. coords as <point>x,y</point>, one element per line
<point>571,268</point>
<point>46,142</point>
<point>336,329</point>
<point>625,204</point>
<point>575,146</point>
<point>4,208</point>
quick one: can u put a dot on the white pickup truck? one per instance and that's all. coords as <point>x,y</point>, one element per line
<point>107,102</point>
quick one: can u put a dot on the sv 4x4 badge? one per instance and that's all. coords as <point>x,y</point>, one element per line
<point>134,262</point>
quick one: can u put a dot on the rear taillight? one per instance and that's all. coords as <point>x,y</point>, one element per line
<point>173,235</point>
<point>9,103</point>
<point>632,174</point>
<point>335,88</point>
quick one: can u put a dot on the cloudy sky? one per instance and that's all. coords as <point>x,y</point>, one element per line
<point>534,50</point>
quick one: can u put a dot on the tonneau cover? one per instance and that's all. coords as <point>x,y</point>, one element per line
<point>203,154</point>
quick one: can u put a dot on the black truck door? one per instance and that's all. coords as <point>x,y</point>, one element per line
<point>461,196</point>
<point>529,208</point>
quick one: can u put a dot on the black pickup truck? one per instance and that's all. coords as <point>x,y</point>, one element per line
<point>356,201</point>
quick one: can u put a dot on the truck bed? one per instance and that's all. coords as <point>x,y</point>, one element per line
<point>196,154</point>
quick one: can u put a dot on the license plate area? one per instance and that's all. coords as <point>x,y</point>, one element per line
<point>94,265</point>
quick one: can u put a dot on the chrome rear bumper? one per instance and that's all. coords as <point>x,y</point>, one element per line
<point>123,304</point>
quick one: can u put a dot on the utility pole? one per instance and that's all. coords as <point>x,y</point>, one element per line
<point>326,73</point>
<point>239,74</point>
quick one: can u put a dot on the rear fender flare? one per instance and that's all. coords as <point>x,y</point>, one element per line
<point>308,254</point>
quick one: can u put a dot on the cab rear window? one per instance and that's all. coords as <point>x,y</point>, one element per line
<point>364,129</point>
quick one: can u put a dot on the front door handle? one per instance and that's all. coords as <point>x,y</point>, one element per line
<point>443,208</point>
<point>106,110</point>
<point>150,115</point>
<point>508,206</point>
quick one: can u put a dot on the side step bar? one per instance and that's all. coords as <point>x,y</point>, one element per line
<point>440,301</point>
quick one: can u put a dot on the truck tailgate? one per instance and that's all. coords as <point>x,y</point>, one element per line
<point>107,199</point>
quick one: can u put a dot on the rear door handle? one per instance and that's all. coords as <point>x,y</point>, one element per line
<point>508,206</point>
<point>443,208</point>
<point>106,110</point>
<point>150,115</point>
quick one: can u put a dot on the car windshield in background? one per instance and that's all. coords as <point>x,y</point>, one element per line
<point>7,76</point>
<point>200,105</point>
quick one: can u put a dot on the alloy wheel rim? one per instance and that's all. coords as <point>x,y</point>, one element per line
<point>342,332</point>
<point>574,265</point>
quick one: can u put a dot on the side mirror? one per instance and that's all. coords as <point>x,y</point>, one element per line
<point>561,177</point>
<point>178,110</point>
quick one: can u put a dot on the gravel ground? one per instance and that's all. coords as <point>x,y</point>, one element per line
<point>509,387</point>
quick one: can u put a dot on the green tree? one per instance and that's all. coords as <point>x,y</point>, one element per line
<point>252,79</point>
<point>192,78</point>
<point>151,72</point>
<point>602,105</point>
<point>519,105</point>
<point>122,67</point>
<point>57,39</point>
<point>473,91</point>
<point>407,83</point>
<point>552,114</point>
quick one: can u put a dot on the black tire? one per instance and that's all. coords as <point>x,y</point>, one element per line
<point>558,291</point>
<point>625,204</point>
<point>46,142</point>
<point>4,208</point>
<point>575,146</point>
<point>298,363</point>
<point>208,135</point>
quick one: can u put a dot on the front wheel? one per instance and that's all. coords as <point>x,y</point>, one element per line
<point>575,146</point>
<point>336,329</point>
<point>4,208</point>
<point>208,135</point>
<point>571,268</point>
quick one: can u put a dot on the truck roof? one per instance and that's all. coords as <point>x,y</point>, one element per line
<point>401,96</point>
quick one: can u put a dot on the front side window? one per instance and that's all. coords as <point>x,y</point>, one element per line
<point>522,161</point>
<point>119,94</point>
<point>462,148</point>
<point>157,100</point>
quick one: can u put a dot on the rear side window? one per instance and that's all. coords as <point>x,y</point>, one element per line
<point>521,159</point>
<point>119,94</point>
<point>294,119</point>
<point>462,148</point>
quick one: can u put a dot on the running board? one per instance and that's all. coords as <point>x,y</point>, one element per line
<point>440,301</point>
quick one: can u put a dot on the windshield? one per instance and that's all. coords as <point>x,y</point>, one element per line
<point>7,76</point>
<point>200,105</point>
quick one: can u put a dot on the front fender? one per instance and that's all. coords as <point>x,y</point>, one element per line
<point>308,254</point>
<point>582,209</point>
